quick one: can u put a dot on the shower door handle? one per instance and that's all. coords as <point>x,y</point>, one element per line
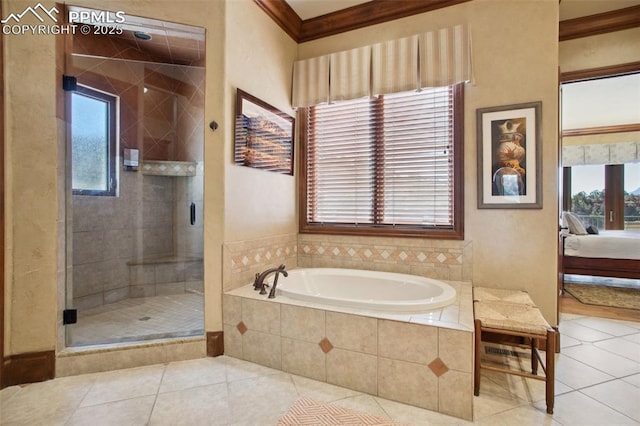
<point>193,213</point>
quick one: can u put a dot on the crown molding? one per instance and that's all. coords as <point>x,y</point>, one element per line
<point>283,15</point>
<point>607,71</point>
<point>602,23</point>
<point>352,18</point>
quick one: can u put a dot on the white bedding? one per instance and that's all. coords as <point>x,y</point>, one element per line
<point>608,244</point>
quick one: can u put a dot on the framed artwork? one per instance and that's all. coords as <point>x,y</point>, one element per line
<point>509,157</point>
<point>264,135</point>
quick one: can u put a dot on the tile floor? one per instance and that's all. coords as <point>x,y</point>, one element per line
<point>598,383</point>
<point>140,318</point>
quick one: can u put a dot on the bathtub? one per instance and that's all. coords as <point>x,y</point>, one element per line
<point>367,290</point>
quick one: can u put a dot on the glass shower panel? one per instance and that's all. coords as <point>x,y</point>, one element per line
<point>134,262</point>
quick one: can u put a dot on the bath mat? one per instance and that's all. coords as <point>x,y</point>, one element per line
<point>306,411</point>
<point>601,295</point>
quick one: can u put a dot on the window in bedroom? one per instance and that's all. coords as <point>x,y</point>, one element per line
<point>632,196</point>
<point>391,165</point>
<point>93,142</point>
<point>607,196</point>
<point>587,194</point>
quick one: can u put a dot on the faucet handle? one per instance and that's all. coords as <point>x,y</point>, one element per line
<point>255,282</point>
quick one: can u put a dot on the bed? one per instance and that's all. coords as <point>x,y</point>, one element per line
<point>588,251</point>
<point>606,254</point>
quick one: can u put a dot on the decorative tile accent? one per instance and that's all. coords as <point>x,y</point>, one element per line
<point>444,259</point>
<point>438,367</point>
<point>169,168</point>
<point>241,327</point>
<point>325,345</point>
<point>243,259</point>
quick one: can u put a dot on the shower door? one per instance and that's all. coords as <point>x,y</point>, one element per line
<point>134,199</point>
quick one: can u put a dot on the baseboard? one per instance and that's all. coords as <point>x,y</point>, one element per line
<point>28,368</point>
<point>215,343</point>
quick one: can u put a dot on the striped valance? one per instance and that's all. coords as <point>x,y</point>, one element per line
<point>433,59</point>
<point>602,153</point>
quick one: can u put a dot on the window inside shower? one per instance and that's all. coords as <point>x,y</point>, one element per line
<point>134,258</point>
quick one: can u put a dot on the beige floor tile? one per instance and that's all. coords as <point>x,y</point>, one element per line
<point>581,332</point>
<point>240,370</point>
<point>610,363</point>
<point>124,384</point>
<point>189,374</point>
<point>619,395</point>
<point>204,405</point>
<point>609,326</point>
<point>320,391</point>
<point>363,403</point>
<point>568,341</point>
<point>52,402</point>
<point>134,411</point>
<point>622,346</point>
<point>261,400</point>
<point>576,374</point>
<point>416,416</point>
<point>635,338</point>
<point>523,415</point>
<point>634,380</point>
<point>577,409</point>
<point>489,403</point>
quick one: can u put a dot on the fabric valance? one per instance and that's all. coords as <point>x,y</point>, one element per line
<point>432,59</point>
<point>603,153</point>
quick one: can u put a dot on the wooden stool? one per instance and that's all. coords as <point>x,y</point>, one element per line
<point>524,322</point>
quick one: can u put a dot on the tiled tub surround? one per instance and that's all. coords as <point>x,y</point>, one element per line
<point>243,259</point>
<point>424,360</point>
<point>439,259</point>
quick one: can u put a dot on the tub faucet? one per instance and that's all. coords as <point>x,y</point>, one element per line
<point>259,283</point>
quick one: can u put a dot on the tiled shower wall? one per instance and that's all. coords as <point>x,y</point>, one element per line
<point>108,232</point>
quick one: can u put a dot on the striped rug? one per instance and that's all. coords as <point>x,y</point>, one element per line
<point>306,411</point>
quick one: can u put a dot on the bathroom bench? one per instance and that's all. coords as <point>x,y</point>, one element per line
<point>510,317</point>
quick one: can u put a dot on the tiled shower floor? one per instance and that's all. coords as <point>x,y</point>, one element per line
<point>142,318</point>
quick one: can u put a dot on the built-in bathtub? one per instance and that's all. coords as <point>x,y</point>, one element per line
<point>422,356</point>
<point>367,290</point>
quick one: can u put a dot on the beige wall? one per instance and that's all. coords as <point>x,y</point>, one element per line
<point>602,50</point>
<point>511,248</point>
<point>245,49</point>
<point>260,60</point>
<point>33,201</point>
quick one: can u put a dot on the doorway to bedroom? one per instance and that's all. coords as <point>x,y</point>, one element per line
<point>600,191</point>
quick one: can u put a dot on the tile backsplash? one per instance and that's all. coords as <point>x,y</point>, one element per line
<point>440,259</point>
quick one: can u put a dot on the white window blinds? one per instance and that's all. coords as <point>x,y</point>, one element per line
<point>385,162</point>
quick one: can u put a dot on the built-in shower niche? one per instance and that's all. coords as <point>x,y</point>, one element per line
<point>170,259</point>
